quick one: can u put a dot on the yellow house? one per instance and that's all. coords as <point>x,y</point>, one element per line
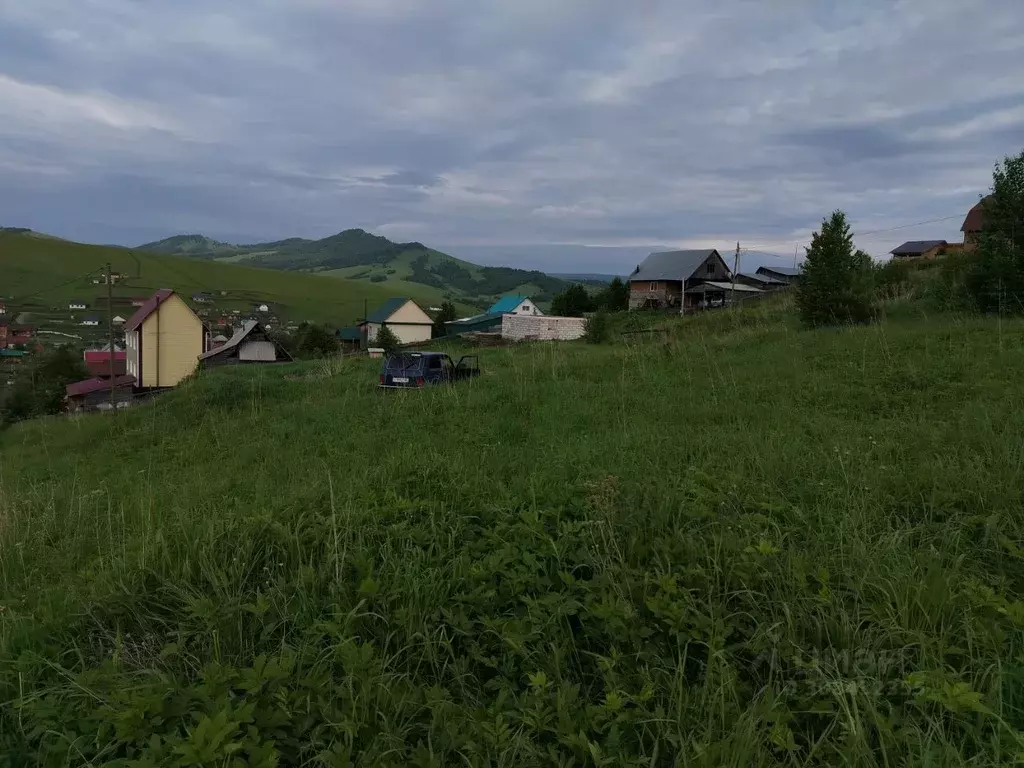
<point>403,317</point>
<point>163,339</point>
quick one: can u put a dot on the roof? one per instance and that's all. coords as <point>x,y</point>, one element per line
<point>975,220</point>
<point>916,246</point>
<point>787,271</point>
<point>509,303</point>
<point>352,333</point>
<point>237,338</point>
<point>96,385</point>
<point>102,367</point>
<point>720,286</point>
<point>763,279</point>
<point>387,309</point>
<point>91,319</point>
<point>219,338</point>
<point>103,356</point>
<point>12,353</point>
<point>148,308</point>
<point>77,301</point>
<point>671,265</point>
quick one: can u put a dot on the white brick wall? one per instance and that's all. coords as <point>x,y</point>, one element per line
<point>543,327</point>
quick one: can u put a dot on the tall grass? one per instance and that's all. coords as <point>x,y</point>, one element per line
<point>730,543</point>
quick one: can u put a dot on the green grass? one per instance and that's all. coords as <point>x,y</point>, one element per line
<point>44,273</point>
<point>730,543</point>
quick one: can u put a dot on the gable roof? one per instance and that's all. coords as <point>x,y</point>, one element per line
<point>148,308</point>
<point>103,356</point>
<point>672,265</point>
<point>787,271</point>
<point>509,303</point>
<point>351,333</point>
<point>237,338</point>
<point>916,246</point>
<point>975,220</point>
<point>387,309</point>
<point>96,385</point>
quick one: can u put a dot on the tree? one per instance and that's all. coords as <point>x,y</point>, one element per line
<point>615,298</point>
<point>995,280</point>
<point>39,388</point>
<point>387,340</point>
<point>596,328</point>
<point>572,302</point>
<point>446,315</point>
<point>315,341</point>
<point>835,287</point>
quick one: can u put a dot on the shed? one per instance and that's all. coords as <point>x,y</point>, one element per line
<point>249,344</point>
<point>94,394</point>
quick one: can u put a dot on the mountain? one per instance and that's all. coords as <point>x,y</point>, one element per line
<point>39,275</point>
<point>359,255</point>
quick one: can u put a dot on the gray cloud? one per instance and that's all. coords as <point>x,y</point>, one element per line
<point>505,125</point>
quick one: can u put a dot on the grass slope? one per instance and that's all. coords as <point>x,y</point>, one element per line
<point>42,274</point>
<point>357,254</point>
<point>734,544</point>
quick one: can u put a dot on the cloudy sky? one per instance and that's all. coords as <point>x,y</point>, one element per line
<point>514,130</point>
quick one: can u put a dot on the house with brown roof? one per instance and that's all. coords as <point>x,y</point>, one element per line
<point>163,341</point>
<point>974,223</point>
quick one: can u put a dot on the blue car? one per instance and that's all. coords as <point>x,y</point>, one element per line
<point>411,370</point>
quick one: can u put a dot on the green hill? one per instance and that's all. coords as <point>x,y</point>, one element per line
<point>360,255</point>
<point>39,275</point>
<point>732,543</point>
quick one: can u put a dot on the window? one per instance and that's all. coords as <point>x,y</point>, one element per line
<point>709,268</point>
<point>654,286</point>
<point>526,307</point>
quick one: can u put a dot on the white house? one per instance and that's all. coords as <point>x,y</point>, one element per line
<point>403,317</point>
<point>91,320</point>
<point>77,304</point>
<point>118,320</point>
<point>514,304</point>
<point>262,308</point>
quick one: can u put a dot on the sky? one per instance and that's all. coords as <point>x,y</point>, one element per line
<point>507,131</point>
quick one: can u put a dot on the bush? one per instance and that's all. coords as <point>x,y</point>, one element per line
<point>315,341</point>
<point>996,277</point>
<point>446,315</point>
<point>596,328</point>
<point>378,278</point>
<point>835,287</point>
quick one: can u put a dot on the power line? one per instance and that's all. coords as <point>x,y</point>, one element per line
<point>860,234</point>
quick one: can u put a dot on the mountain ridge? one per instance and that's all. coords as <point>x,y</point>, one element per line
<point>360,255</point>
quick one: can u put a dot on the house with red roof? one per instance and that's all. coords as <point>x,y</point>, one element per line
<point>95,394</point>
<point>163,341</point>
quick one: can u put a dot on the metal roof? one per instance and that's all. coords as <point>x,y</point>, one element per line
<point>96,385</point>
<point>148,308</point>
<point>763,279</point>
<point>719,286</point>
<point>509,303</point>
<point>387,309</point>
<point>916,246</point>
<point>787,271</point>
<point>671,265</point>
<point>352,333</point>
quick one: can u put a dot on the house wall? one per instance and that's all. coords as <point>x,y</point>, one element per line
<point>406,334</point>
<point>527,307</point>
<point>665,292</point>
<point>172,340</point>
<point>257,351</point>
<point>97,401</point>
<point>541,327</point>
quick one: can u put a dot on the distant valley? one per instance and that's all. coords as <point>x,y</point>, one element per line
<point>359,255</point>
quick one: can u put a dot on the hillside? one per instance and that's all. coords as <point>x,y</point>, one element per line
<point>360,255</point>
<point>40,275</point>
<point>734,543</point>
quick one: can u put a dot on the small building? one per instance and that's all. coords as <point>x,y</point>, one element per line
<point>77,304</point>
<point>218,340</point>
<point>974,223</point>
<point>263,308</point>
<point>138,301</point>
<point>90,320</point>
<point>787,275</point>
<point>514,304</point>
<point>664,277</point>
<point>94,394</point>
<point>118,320</point>
<point>763,282</point>
<point>101,368</point>
<point>164,339</point>
<point>350,339</point>
<point>103,353</point>
<point>202,298</point>
<point>3,308</point>
<point>487,322</point>
<point>920,249</point>
<point>249,344</point>
<point>403,317</point>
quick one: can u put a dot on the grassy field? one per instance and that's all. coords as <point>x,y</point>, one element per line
<point>731,544</point>
<point>44,273</point>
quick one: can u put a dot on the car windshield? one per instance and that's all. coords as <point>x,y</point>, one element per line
<point>399,364</point>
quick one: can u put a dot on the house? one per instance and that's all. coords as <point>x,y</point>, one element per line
<point>90,320</point>
<point>663,278</point>
<point>102,356</point>
<point>138,301</point>
<point>787,275</point>
<point>101,368</point>
<point>403,317</point>
<point>164,339</point>
<point>3,308</point>
<point>249,344</point>
<point>974,223</point>
<point>350,339</point>
<point>77,304</point>
<point>262,308</point>
<point>763,282</point>
<point>94,394</point>
<point>118,320</point>
<point>514,304</point>
<point>920,249</point>
<point>202,298</point>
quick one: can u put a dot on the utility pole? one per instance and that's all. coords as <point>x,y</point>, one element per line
<point>110,329</point>
<point>366,328</point>
<point>735,269</point>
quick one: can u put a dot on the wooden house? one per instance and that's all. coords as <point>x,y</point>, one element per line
<point>249,344</point>
<point>403,317</point>
<point>665,277</point>
<point>974,223</point>
<point>163,341</point>
<point>920,249</point>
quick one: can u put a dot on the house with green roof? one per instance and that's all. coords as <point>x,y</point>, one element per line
<point>514,304</point>
<point>403,317</point>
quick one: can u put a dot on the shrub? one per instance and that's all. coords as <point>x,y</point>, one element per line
<point>378,278</point>
<point>596,328</point>
<point>836,285</point>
